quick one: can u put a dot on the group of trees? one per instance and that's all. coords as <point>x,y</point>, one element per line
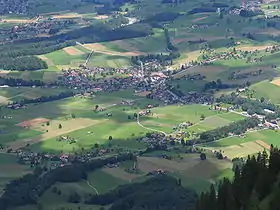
<point>22,63</point>
<point>248,105</point>
<point>27,189</point>
<point>15,82</point>
<point>218,85</point>
<point>254,186</point>
<point>151,194</point>
<point>17,55</point>
<point>42,99</point>
<point>163,59</point>
<point>235,128</point>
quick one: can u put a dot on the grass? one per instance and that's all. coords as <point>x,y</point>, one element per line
<point>268,136</point>
<point>110,61</point>
<point>19,93</point>
<point>10,169</point>
<point>103,181</point>
<point>60,57</point>
<point>267,90</point>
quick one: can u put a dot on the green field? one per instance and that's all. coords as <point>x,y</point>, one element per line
<point>10,169</point>
<point>268,136</point>
<point>109,61</point>
<point>60,57</point>
<point>18,93</point>
<point>267,90</point>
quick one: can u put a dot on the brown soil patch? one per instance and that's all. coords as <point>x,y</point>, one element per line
<point>4,100</point>
<point>276,82</point>
<point>263,144</point>
<point>67,16</point>
<point>16,21</point>
<point>46,59</point>
<point>199,19</point>
<point>33,122</point>
<point>99,48</point>
<point>120,173</point>
<point>253,48</point>
<point>101,17</point>
<point>149,164</point>
<point>73,51</point>
<point>4,73</point>
<point>142,94</point>
<point>53,130</point>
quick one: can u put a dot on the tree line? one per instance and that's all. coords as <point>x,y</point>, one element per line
<point>235,128</point>
<point>22,63</point>
<point>254,186</point>
<point>151,194</point>
<point>15,82</point>
<point>17,55</point>
<point>42,99</point>
<point>28,189</point>
<point>248,105</point>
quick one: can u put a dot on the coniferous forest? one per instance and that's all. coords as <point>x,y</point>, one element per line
<point>255,186</point>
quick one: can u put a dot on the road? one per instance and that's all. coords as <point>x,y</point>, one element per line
<point>92,187</point>
<point>151,129</point>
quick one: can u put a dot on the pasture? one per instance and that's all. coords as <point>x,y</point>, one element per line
<point>251,143</point>
<point>268,90</point>
<point>10,94</point>
<point>10,169</point>
<point>95,127</point>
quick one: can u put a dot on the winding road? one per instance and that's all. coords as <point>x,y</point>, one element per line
<point>92,187</point>
<point>151,129</point>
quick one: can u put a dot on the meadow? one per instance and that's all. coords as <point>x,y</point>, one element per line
<point>95,127</point>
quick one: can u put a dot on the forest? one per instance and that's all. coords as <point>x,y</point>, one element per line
<point>17,55</point>
<point>255,185</point>
<point>22,63</point>
<point>42,99</point>
<point>27,189</point>
<point>150,194</point>
<point>248,105</point>
<point>15,82</point>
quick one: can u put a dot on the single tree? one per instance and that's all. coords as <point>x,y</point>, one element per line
<point>203,156</point>
<point>59,126</point>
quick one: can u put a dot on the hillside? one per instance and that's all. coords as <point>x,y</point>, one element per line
<point>139,104</point>
<point>255,185</point>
